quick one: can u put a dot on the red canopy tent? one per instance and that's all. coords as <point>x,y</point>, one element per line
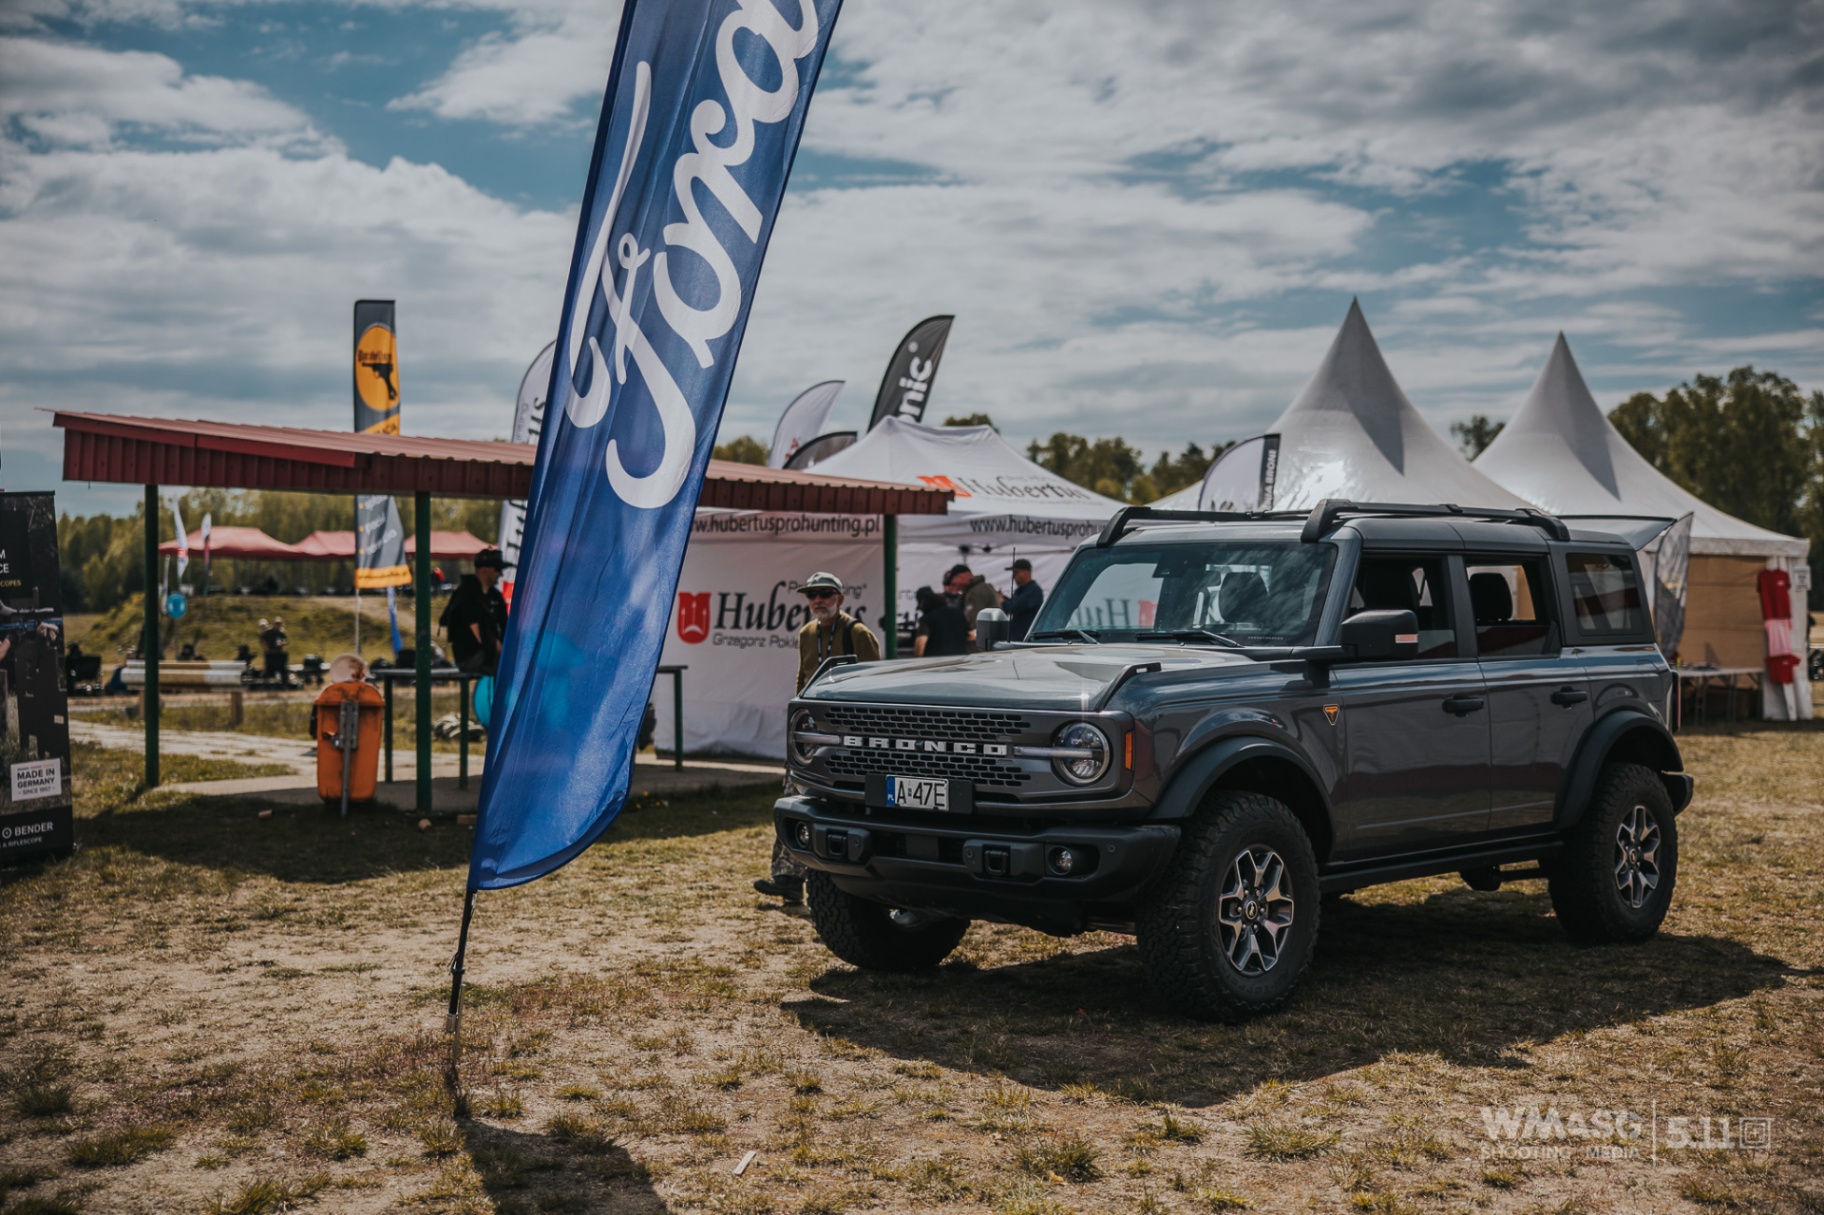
<point>340,546</point>
<point>237,543</point>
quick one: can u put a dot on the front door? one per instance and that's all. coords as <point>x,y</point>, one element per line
<point>1415,730</point>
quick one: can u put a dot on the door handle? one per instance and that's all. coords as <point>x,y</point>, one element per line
<point>1463,706</point>
<point>1569,696</point>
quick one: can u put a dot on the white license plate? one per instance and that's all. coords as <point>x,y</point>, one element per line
<point>918,793</point>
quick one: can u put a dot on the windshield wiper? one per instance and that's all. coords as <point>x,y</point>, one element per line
<point>1189,635</point>
<point>1084,634</point>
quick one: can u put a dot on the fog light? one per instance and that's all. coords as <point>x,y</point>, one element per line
<point>802,833</point>
<point>1062,861</point>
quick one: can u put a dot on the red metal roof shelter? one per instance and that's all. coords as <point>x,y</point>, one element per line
<point>119,449</point>
<point>238,455</point>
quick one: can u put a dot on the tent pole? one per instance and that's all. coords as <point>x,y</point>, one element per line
<point>889,530</point>
<point>421,593</point>
<point>149,640</point>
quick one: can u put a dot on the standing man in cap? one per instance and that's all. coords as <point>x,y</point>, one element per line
<point>476,616</point>
<point>829,633</point>
<point>1023,605</point>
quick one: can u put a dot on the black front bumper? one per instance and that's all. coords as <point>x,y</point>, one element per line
<point>977,869</point>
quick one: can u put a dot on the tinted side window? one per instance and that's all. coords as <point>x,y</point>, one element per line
<point>1512,604</point>
<point>1605,591</point>
<point>1414,584</point>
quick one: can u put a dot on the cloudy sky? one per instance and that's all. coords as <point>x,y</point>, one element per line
<point>1149,217</point>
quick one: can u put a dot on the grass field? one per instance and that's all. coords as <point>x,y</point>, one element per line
<point>216,625</point>
<point>205,1011</point>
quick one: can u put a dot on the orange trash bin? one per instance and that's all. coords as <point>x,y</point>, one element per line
<point>363,758</point>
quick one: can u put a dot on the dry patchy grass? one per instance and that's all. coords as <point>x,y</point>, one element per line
<point>203,1011</point>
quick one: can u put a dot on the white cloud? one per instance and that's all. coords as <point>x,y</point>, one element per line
<point>63,93</point>
<point>1147,218</point>
<point>555,57</point>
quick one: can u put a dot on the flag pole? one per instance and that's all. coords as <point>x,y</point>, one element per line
<point>452,1024</point>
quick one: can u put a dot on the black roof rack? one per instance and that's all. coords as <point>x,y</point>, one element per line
<point>1325,515</point>
<point>1127,516</point>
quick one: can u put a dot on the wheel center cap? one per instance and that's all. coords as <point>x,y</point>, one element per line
<point>1251,910</point>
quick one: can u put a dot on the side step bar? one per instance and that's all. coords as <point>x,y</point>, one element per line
<point>1372,873</point>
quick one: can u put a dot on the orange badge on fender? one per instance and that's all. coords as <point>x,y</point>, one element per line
<point>1330,711</point>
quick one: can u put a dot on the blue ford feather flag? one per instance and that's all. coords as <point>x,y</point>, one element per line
<point>706,100</point>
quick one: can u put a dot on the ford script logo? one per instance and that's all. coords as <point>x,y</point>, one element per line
<point>722,137</point>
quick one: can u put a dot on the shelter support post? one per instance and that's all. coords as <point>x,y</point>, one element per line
<point>889,584</point>
<point>421,644</point>
<point>149,641</point>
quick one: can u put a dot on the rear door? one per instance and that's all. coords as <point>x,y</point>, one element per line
<point>1538,696</point>
<point>1415,730</point>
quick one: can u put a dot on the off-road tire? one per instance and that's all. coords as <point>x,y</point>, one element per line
<point>1181,943</point>
<point>1586,892</point>
<point>865,934</point>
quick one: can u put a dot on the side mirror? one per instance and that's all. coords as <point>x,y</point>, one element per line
<point>1381,635</point>
<point>991,628</point>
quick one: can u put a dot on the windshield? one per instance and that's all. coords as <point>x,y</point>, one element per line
<point>1253,593</point>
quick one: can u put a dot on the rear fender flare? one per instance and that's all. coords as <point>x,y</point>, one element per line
<point>1206,770</point>
<point>1641,738</point>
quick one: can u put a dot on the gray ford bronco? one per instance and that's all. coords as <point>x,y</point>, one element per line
<point>1219,721</point>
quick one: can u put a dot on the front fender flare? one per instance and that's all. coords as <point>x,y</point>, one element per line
<point>1644,735</point>
<point>1204,770</point>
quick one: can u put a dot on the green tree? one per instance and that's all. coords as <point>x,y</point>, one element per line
<point>1116,469</point>
<point>1171,474</point>
<point>1475,435</point>
<point>972,419</point>
<point>744,450</point>
<point>1750,443</point>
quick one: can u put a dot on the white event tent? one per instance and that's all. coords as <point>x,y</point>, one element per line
<point>1006,506</point>
<point>1352,434</point>
<point>1562,454</point>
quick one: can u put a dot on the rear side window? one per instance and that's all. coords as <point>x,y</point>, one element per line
<point>1512,607</point>
<point>1605,591</point>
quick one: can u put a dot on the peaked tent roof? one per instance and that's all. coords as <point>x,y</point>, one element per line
<point>1563,454</point>
<point>228,543</point>
<point>991,479</point>
<point>340,546</point>
<point>1352,434</point>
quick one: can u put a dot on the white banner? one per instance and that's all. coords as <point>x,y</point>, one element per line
<point>735,622</point>
<point>802,421</point>
<point>528,421</point>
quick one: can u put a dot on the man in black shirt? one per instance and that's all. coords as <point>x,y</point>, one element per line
<point>943,627</point>
<point>477,616</point>
<point>1023,605</point>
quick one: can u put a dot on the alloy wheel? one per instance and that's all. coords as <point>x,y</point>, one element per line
<point>1254,911</point>
<point>1637,855</point>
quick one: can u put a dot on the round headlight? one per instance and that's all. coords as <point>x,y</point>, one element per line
<point>802,723</point>
<point>1087,767</point>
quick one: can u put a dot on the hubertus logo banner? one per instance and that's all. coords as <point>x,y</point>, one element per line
<point>379,532</point>
<point>705,104</point>
<point>906,388</point>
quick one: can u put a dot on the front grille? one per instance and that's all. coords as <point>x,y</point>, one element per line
<point>951,725</point>
<point>985,771</point>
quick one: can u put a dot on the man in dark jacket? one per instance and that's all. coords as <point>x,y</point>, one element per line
<point>1023,605</point>
<point>476,616</point>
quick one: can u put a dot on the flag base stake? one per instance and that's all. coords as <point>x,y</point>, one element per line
<point>452,1023</point>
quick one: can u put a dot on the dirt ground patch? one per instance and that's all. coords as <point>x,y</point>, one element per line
<point>205,1011</point>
